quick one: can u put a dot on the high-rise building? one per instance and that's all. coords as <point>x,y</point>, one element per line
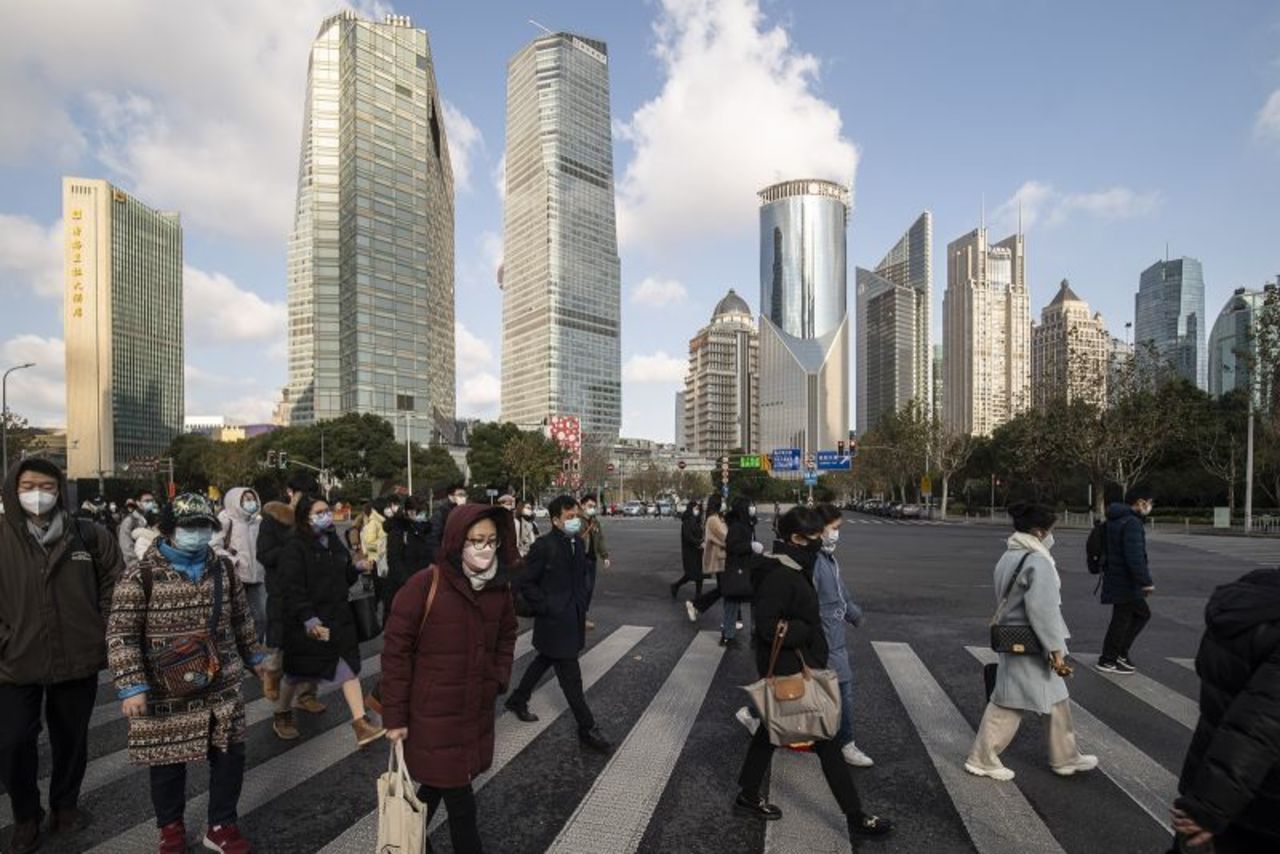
<point>722,386</point>
<point>1169,318</point>
<point>1070,352</point>
<point>804,322</point>
<point>1120,369</point>
<point>936,382</point>
<point>370,263</point>
<point>986,333</point>
<point>679,432</point>
<point>1233,346</point>
<point>561,276</point>
<point>894,359</point>
<point>122,323</point>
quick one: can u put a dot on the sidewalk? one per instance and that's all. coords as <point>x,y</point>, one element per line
<point>1262,551</point>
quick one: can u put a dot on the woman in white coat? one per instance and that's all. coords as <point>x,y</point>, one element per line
<point>1030,683</point>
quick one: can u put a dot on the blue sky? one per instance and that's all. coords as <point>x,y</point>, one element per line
<point>1120,126</point>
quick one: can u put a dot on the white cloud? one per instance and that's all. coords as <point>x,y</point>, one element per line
<point>217,309</point>
<point>473,354</point>
<point>1115,203</point>
<point>1267,126</point>
<point>738,110</point>
<point>654,368</point>
<point>1039,201</point>
<point>31,254</point>
<point>656,293</point>
<point>464,137</point>
<point>500,177</point>
<point>38,394</point>
<point>479,395</point>
<point>253,409</point>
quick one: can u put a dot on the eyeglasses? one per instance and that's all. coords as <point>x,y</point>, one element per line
<point>482,542</point>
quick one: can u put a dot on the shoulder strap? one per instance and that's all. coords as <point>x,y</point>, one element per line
<point>778,634</point>
<point>148,581</point>
<point>84,541</point>
<point>1008,590</point>
<point>219,570</point>
<point>431,597</point>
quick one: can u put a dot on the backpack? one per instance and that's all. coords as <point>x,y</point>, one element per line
<point>1095,548</point>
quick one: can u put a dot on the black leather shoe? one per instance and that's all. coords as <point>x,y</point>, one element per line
<point>521,712</point>
<point>729,643</point>
<point>594,740</point>
<point>72,820</point>
<point>26,835</point>
<point>868,825</point>
<point>757,806</point>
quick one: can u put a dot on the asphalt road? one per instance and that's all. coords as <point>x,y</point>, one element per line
<point>666,693</point>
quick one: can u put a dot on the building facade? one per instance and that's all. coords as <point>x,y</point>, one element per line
<point>679,423</point>
<point>1233,348</point>
<point>937,381</point>
<point>721,413</point>
<point>1070,352</point>
<point>986,333</point>
<point>1169,318</point>
<point>893,309</point>
<point>122,323</point>
<point>561,276</point>
<point>370,261</point>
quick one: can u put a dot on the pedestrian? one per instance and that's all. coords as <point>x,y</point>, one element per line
<point>838,609</point>
<point>447,657</point>
<point>593,536</point>
<point>1126,579</point>
<point>454,495</point>
<point>373,535</point>
<point>276,530</point>
<point>526,528</point>
<point>406,543</point>
<point>144,535</point>
<point>556,584</point>
<point>179,592</point>
<point>714,532</point>
<point>1028,593</point>
<point>1229,792</point>
<point>241,522</point>
<point>143,503</point>
<point>56,578</point>
<point>690,549</point>
<point>320,642</point>
<point>784,591</point>
<point>735,582</point>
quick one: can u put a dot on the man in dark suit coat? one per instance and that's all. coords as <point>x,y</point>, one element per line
<point>556,584</point>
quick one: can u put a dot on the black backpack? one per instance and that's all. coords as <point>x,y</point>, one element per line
<point>1095,548</point>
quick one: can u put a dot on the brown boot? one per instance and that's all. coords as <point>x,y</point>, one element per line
<point>70,820</point>
<point>366,732</point>
<point>285,725</point>
<point>373,704</point>
<point>310,703</point>
<point>26,835</point>
<point>271,686</point>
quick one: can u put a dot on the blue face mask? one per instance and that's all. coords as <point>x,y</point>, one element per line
<point>192,540</point>
<point>249,507</point>
<point>572,526</point>
<point>321,522</point>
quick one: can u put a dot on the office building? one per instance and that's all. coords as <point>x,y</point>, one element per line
<point>1070,352</point>
<point>122,323</point>
<point>561,277</point>
<point>804,322</point>
<point>1233,346</point>
<point>1169,319</point>
<point>679,423</point>
<point>370,262</point>
<point>986,333</point>
<point>936,382</point>
<point>893,305</point>
<point>722,385</point>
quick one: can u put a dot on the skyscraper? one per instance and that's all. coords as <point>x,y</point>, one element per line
<point>986,333</point>
<point>1169,318</point>
<point>1070,352</point>
<point>371,254</point>
<point>561,275</point>
<point>122,324</point>
<point>1233,347</point>
<point>679,431</point>
<point>936,382</point>
<point>894,359</point>
<point>722,386</point>
<point>804,323</point>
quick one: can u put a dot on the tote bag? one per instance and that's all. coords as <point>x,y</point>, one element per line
<point>402,818</point>
<point>797,708</point>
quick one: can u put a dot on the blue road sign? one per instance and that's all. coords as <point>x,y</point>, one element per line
<point>833,461</point>
<point>811,478</point>
<point>786,459</point>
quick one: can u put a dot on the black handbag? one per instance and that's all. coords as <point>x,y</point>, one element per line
<point>735,583</point>
<point>364,612</point>
<point>1013,639</point>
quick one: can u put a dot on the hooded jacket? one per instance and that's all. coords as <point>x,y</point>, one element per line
<point>54,598</point>
<point>1231,777</point>
<point>1125,572</point>
<point>238,538</point>
<point>783,583</point>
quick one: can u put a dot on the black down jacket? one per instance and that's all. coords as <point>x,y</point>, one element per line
<point>1231,777</point>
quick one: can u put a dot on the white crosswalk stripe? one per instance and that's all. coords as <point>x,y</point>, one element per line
<point>1189,663</point>
<point>1162,699</point>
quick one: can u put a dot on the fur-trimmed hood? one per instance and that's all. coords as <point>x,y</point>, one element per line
<point>279,511</point>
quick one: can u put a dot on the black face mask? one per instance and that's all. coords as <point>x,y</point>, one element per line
<point>812,546</point>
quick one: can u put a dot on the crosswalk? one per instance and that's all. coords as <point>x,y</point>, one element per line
<point>658,760</point>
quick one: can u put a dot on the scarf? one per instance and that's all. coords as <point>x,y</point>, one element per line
<point>1021,542</point>
<point>479,581</point>
<point>49,534</point>
<point>190,565</point>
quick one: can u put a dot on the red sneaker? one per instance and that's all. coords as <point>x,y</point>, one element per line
<point>173,838</point>
<point>227,839</point>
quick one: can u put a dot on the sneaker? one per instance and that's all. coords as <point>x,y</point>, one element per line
<point>756,806</point>
<point>855,757</point>
<point>173,838</point>
<point>593,739</point>
<point>738,625</point>
<point>1083,762</point>
<point>869,825</point>
<point>1124,667</point>
<point>227,839</point>
<point>26,835</point>
<point>285,725</point>
<point>366,731</point>
<point>691,610</point>
<point>1000,773</point>
<point>729,643</point>
<point>1114,667</point>
<point>310,703</point>
<point>743,716</point>
<point>1123,660</point>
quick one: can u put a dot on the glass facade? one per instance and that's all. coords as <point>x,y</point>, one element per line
<point>371,256</point>
<point>1169,318</point>
<point>561,275</point>
<point>1232,347</point>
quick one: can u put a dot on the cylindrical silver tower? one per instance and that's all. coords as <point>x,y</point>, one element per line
<point>802,256</point>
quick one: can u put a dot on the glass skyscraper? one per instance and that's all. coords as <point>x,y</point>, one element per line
<point>1169,318</point>
<point>371,291</point>
<point>804,323</point>
<point>1232,345</point>
<point>122,323</point>
<point>561,277</point>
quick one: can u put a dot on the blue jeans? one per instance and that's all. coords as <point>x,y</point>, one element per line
<point>845,734</point>
<point>732,613</point>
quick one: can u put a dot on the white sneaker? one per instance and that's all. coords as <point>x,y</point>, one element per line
<point>744,717</point>
<point>856,757</point>
<point>1002,773</point>
<point>1083,762</point>
<point>691,611</point>
<point>738,625</point>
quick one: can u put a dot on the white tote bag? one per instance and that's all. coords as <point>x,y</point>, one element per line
<point>402,818</point>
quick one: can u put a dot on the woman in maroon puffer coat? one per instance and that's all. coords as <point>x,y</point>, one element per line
<point>442,670</point>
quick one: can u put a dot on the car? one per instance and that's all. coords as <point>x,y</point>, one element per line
<point>652,509</point>
<point>910,511</point>
<point>633,508</point>
<point>540,513</point>
<point>666,508</point>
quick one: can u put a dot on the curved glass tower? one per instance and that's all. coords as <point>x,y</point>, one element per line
<point>1169,317</point>
<point>1232,345</point>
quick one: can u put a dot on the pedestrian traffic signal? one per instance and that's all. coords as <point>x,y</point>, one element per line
<point>840,447</point>
<point>284,460</point>
<point>271,459</point>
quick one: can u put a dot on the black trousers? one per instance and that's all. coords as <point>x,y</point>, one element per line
<point>226,776</point>
<point>569,675</point>
<point>1128,619</point>
<point>706,600</point>
<point>67,707</point>
<point>696,578</point>
<point>460,805</point>
<point>760,757</point>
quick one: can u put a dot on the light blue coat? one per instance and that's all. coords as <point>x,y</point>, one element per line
<point>836,607</point>
<point>1026,681</point>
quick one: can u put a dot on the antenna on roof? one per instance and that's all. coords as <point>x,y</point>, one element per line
<point>539,26</point>
<point>1019,216</point>
<point>984,211</point>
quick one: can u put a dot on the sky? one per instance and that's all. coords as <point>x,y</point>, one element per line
<point>1120,128</point>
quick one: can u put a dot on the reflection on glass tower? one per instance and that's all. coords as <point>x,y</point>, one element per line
<point>1169,318</point>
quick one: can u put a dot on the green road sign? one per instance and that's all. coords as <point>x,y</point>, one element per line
<point>749,461</point>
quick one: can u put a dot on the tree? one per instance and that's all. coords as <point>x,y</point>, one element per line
<point>1218,432</point>
<point>532,461</point>
<point>433,469</point>
<point>21,437</point>
<point>485,456</point>
<point>951,452</point>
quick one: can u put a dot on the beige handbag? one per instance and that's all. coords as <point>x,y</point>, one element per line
<point>402,818</point>
<point>798,708</point>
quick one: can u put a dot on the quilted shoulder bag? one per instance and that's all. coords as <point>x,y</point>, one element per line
<point>1013,639</point>
<point>188,664</point>
<point>798,708</point>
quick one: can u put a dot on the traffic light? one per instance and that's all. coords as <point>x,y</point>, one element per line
<point>271,459</point>
<point>853,446</point>
<point>840,447</point>
<point>284,460</point>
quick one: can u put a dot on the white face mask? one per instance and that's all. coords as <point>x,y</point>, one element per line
<point>589,511</point>
<point>1048,540</point>
<point>830,539</point>
<point>460,499</point>
<point>37,502</point>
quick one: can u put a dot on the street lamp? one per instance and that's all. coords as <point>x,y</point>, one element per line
<point>4,409</point>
